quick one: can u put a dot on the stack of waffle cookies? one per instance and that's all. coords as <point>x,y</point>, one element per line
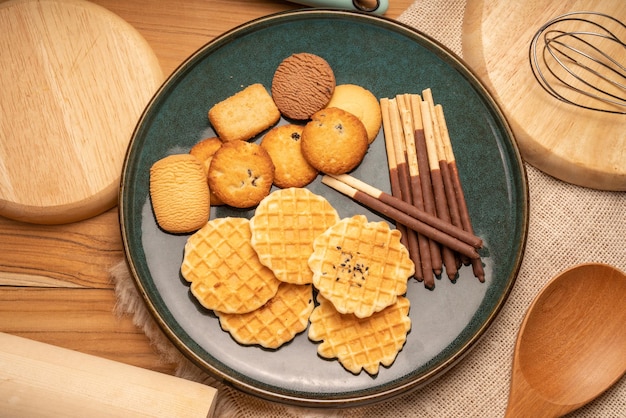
<point>295,263</point>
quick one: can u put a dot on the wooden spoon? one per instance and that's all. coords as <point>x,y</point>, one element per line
<point>572,343</point>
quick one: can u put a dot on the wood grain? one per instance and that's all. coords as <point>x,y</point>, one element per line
<point>91,386</point>
<point>579,146</point>
<point>566,356</point>
<point>54,279</point>
<point>78,319</point>
<point>75,80</point>
<point>73,255</point>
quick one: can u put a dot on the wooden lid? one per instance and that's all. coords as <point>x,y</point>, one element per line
<point>75,79</point>
<point>579,146</point>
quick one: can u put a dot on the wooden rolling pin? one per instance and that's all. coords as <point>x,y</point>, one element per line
<point>41,380</point>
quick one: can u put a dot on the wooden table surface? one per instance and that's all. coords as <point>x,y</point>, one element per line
<point>54,280</point>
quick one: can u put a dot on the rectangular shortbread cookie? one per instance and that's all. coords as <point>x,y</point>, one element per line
<point>245,114</point>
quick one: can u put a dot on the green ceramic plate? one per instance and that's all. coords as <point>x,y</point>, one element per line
<point>388,59</point>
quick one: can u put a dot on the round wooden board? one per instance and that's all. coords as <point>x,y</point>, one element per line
<point>75,79</point>
<point>579,146</point>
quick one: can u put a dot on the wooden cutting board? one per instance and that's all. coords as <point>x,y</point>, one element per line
<point>579,146</point>
<point>75,79</point>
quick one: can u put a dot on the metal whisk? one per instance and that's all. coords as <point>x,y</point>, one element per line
<point>580,59</point>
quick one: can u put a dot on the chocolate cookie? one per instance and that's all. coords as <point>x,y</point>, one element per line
<point>303,84</point>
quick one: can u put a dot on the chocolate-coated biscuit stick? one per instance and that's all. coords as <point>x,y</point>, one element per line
<point>451,199</point>
<point>393,165</point>
<point>403,178</point>
<point>420,180</point>
<point>466,222</point>
<point>412,211</point>
<point>399,215</point>
<point>425,181</point>
<point>441,204</point>
<point>408,124</point>
<point>448,188</point>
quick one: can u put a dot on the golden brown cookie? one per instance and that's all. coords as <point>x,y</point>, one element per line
<point>241,174</point>
<point>275,323</point>
<point>360,266</point>
<point>179,193</point>
<point>362,104</point>
<point>302,85</point>
<point>244,115</point>
<point>204,150</point>
<point>284,226</point>
<point>360,343</point>
<point>283,143</point>
<point>334,141</point>
<point>224,270</point>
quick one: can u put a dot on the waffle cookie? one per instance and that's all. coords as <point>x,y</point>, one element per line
<point>224,270</point>
<point>360,343</point>
<point>275,323</point>
<point>360,266</point>
<point>284,226</point>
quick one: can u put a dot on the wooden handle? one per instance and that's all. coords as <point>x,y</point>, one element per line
<point>41,380</point>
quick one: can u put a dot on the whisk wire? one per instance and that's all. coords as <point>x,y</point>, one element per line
<point>598,74</point>
<point>557,53</point>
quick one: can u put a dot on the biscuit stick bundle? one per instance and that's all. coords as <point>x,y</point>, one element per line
<point>416,135</point>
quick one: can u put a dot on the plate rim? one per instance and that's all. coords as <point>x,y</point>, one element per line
<point>354,400</point>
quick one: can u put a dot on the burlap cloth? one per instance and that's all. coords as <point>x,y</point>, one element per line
<point>568,225</point>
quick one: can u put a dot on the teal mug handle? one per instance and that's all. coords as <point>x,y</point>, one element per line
<point>379,8</point>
